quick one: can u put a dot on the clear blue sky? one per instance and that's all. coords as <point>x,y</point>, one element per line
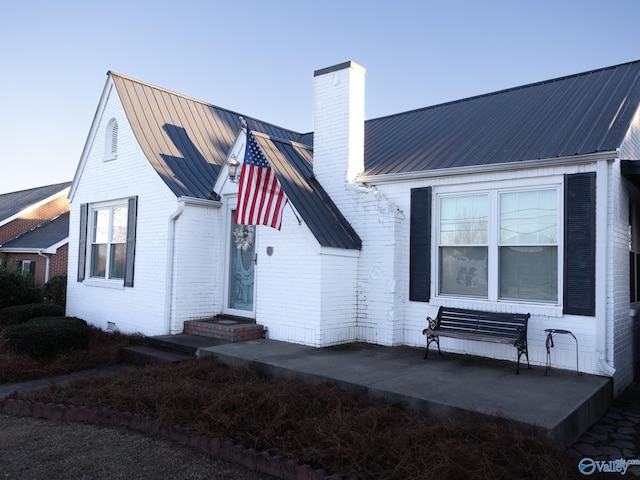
<point>258,58</point>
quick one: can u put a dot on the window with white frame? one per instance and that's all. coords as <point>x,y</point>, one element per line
<point>499,245</point>
<point>27,266</point>
<point>108,241</point>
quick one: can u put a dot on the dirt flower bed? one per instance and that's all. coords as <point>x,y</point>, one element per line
<point>321,425</point>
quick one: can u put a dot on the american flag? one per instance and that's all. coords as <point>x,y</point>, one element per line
<point>261,199</point>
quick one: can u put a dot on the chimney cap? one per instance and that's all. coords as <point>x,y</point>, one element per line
<point>339,66</point>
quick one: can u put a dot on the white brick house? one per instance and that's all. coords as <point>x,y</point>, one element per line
<point>523,200</point>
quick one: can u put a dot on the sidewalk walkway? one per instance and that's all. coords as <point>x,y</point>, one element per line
<point>24,387</point>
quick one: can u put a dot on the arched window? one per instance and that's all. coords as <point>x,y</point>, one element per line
<point>111,140</point>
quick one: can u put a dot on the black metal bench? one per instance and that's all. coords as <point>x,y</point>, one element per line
<point>507,328</point>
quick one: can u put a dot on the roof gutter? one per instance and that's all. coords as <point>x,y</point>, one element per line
<point>168,296</point>
<point>604,325</point>
<point>51,249</point>
<point>475,169</point>
<point>47,265</point>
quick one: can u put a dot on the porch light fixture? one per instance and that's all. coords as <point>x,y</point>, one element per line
<point>232,166</point>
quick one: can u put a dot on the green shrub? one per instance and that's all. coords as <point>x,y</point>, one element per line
<point>16,287</point>
<point>45,337</point>
<point>55,290</point>
<point>23,313</point>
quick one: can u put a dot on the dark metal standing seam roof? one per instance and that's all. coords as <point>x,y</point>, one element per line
<point>187,142</point>
<point>578,114</point>
<point>14,202</point>
<point>292,164</point>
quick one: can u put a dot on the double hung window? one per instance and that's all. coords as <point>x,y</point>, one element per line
<point>528,246</point>
<point>499,245</point>
<point>108,241</point>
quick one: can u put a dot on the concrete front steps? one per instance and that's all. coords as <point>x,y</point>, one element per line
<point>167,349</point>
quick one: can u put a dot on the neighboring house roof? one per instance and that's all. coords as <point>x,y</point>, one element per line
<point>52,233</point>
<point>13,203</point>
<point>187,142</point>
<point>577,114</point>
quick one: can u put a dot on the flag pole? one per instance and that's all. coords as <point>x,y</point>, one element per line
<point>243,124</point>
<point>294,212</point>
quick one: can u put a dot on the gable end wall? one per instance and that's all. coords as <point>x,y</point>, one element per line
<point>142,307</point>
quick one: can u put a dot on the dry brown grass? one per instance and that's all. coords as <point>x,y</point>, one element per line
<point>104,349</point>
<point>321,425</point>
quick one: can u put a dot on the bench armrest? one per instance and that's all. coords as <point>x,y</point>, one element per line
<point>432,325</point>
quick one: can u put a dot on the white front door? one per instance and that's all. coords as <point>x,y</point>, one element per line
<point>241,267</point>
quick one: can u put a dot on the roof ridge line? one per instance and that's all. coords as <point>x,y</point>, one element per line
<point>511,89</point>
<point>193,99</point>
<point>281,140</point>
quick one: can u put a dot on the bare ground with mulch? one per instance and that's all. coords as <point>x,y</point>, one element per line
<point>320,425</point>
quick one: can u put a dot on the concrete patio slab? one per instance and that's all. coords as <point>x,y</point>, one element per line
<point>562,404</point>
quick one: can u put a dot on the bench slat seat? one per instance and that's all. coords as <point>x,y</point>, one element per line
<point>505,328</point>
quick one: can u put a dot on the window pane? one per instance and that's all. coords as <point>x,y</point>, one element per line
<point>98,260</point>
<point>528,218</point>
<point>463,220</point>
<point>100,226</point>
<point>117,260</point>
<point>463,271</point>
<point>529,273</point>
<point>119,230</point>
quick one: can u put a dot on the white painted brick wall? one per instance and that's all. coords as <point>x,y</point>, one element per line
<point>563,354</point>
<point>339,298</point>
<point>141,308</point>
<point>624,338</point>
<point>289,283</point>
<point>630,149</point>
<point>338,154</point>
<point>380,298</point>
<point>196,291</point>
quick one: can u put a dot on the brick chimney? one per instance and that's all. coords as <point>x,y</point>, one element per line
<point>338,138</point>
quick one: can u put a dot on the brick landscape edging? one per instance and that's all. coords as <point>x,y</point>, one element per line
<point>263,462</point>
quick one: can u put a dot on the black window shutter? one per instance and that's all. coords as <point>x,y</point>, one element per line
<point>420,245</point>
<point>131,241</point>
<point>580,244</point>
<point>82,247</point>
